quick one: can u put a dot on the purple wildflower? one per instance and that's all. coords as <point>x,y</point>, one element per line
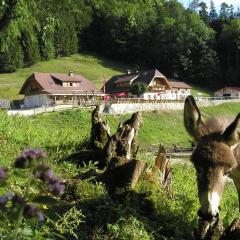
<point>43,172</point>
<point>31,211</point>
<point>9,195</point>
<point>3,174</point>
<point>4,199</point>
<point>56,186</point>
<point>3,202</point>
<point>28,158</point>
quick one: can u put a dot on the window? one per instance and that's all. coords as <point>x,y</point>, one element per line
<point>70,84</point>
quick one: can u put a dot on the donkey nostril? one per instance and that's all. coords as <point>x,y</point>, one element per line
<point>207,216</point>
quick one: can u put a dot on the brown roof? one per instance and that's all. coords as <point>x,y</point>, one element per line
<point>142,76</point>
<point>68,78</point>
<point>126,79</point>
<point>179,85</point>
<point>52,83</point>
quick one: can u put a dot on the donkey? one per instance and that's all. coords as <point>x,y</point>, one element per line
<point>216,156</point>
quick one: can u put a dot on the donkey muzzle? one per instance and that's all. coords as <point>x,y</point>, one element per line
<point>208,216</point>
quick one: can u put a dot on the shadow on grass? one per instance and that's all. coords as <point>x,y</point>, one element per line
<point>105,211</point>
<point>62,152</point>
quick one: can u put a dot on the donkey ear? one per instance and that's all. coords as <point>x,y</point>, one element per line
<point>192,118</point>
<point>232,133</point>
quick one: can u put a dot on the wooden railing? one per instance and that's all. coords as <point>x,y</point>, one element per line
<point>139,100</point>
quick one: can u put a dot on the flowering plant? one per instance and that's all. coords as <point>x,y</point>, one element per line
<point>22,206</point>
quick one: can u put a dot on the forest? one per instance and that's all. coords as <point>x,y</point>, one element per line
<point>194,44</point>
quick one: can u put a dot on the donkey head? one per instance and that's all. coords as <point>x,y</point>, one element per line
<point>213,157</point>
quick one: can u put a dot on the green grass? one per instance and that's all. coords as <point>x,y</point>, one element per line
<point>201,92</point>
<point>148,212</point>
<point>92,67</point>
<point>69,128</point>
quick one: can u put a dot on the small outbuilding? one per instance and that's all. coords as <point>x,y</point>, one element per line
<point>231,92</point>
<point>46,89</point>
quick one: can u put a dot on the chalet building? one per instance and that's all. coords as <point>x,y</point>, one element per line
<point>228,92</point>
<point>158,86</point>
<point>46,89</point>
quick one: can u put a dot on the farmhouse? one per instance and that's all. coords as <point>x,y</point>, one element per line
<point>44,89</point>
<point>233,92</point>
<point>158,86</point>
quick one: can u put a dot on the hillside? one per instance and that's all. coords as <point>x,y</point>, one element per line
<point>93,67</point>
<point>142,33</point>
<point>90,66</point>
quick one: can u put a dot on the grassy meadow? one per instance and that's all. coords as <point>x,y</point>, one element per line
<point>146,213</point>
<point>93,67</point>
<point>90,66</point>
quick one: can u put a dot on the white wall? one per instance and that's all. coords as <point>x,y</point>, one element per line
<point>36,101</point>
<point>124,108</point>
<point>168,94</point>
<point>232,94</point>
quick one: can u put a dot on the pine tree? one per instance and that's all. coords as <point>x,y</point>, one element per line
<point>224,11</point>
<point>194,5</point>
<point>213,16</point>
<point>237,13</point>
<point>203,13</point>
<point>231,11</point>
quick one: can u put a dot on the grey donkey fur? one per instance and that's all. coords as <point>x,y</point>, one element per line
<point>217,155</point>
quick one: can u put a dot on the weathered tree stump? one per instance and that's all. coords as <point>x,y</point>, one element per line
<point>122,169</point>
<point>115,154</point>
<point>100,131</point>
<point>124,174</point>
<point>163,164</point>
<point>123,143</point>
<point>100,136</point>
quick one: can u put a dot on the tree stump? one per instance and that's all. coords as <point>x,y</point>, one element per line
<point>123,175</point>
<point>163,164</point>
<point>122,168</point>
<point>100,131</point>
<point>115,154</point>
<point>100,136</point>
<point>123,142</point>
